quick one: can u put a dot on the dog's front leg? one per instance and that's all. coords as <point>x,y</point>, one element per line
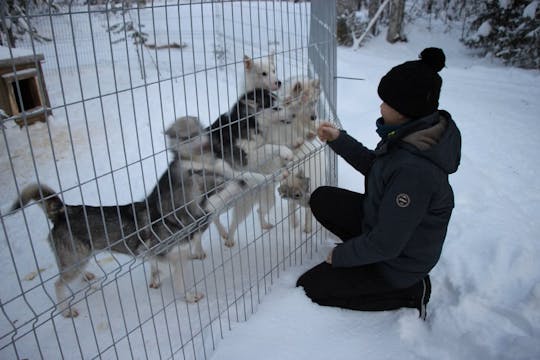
<point>155,281</point>
<point>221,229</point>
<point>197,251</point>
<point>266,203</point>
<point>292,214</point>
<point>269,157</point>
<point>240,213</point>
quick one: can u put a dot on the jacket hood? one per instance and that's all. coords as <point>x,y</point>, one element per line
<point>440,142</point>
<point>434,137</point>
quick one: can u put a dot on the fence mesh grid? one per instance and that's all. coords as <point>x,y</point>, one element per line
<point>110,82</point>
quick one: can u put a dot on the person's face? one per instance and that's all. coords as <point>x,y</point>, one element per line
<point>391,116</point>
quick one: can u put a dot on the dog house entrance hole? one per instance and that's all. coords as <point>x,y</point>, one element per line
<point>28,98</point>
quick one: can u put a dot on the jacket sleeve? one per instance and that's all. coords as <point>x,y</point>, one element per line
<point>404,204</point>
<point>355,153</point>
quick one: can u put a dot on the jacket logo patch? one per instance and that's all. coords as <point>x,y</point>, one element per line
<point>403,200</point>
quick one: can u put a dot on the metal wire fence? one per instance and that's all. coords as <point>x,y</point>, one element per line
<point>85,141</point>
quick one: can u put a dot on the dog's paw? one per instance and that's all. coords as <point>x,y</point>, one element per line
<point>155,284</point>
<point>88,276</point>
<point>267,226</point>
<point>223,233</point>
<point>307,229</point>
<point>286,154</point>
<point>193,297</point>
<point>229,243</point>
<point>297,143</point>
<point>311,136</point>
<point>70,313</point>
<point>198,255</point>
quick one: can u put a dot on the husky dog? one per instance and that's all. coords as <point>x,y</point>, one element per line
<point>177,211</point>
<point>296,189</point>
<point>239,122</point>
<point>262,160</point>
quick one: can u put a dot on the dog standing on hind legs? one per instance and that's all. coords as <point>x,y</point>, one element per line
<point>239,122</point>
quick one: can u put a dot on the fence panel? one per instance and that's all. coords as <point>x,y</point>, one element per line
<point>84,122</point>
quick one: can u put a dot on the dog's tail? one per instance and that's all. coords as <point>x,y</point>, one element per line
<point>48,200</point>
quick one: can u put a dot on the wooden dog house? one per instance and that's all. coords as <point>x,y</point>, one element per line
<point>23,95</point>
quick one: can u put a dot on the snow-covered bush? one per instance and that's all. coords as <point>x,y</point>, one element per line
<point>15,21</point>
<point>509,30</point>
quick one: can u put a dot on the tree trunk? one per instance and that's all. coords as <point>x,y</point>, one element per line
<point>397,11</point>
<point>373,7</point>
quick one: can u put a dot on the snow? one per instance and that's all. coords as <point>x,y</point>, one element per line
<point>505,3</point>
<point>484,29</point>
<point>7,53</point>
<point>530,10</point>
<point>485,301</point>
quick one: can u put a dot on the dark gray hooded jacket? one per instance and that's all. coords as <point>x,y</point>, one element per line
<point>408,200</point>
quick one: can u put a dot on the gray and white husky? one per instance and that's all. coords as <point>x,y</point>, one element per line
<point>177,211</point>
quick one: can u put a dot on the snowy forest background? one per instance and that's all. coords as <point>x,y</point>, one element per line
<point>504,29</point>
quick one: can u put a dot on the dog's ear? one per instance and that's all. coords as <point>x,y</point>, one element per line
<point>248,63</point>
<point>316,84</point>
<point>172,131</point>
<point>296,89</point>
<point>282,189</point>
<point>271,57</point>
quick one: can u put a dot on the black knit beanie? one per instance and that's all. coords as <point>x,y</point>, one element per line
<point>413,88</point>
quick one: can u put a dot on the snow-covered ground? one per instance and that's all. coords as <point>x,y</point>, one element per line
<point>485,301</point>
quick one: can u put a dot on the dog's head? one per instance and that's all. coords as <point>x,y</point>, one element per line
<point>302,98</point>
<point>261,73</point>
<point>186,136</point>
<point>295,188</point>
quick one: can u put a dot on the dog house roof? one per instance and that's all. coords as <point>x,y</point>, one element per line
<point>17,55</point>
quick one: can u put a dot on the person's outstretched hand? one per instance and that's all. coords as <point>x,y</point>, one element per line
<point>327,131</point>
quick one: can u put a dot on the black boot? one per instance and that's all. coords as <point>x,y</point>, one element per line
<point>417,296</point>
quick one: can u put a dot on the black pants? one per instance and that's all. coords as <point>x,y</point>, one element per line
<point>362,287</point>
